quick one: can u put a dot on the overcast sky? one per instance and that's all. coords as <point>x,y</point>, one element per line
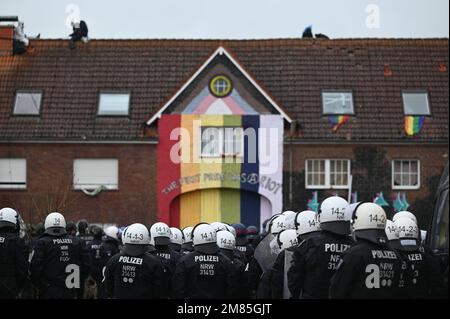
<point>237,19</point>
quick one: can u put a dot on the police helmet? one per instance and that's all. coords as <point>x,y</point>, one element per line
<point>287,238</point>
<point>306,222</point>
<point>8,217</point>
<point>160,234</point>
<point>369,222</point>
<point>226,240</point>
<point>55,224</point>
<point>187,234</point>
<point>218,226</point>
<point>176,236</point>
<point>406,214</point>
<point>289,221</point>
<point>408,233</point>
<point>332,215</point>
<point>204,238</point>
<point>112,232</point>
<point>136,239</point>
<point>277,224</point>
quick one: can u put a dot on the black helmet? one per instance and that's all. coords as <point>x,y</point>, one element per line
<point>96,231</point>
<point>71,227</point>
<point>82,225</point>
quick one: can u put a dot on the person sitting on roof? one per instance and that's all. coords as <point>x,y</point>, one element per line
<point>80,33</point>
<point>21,43</point>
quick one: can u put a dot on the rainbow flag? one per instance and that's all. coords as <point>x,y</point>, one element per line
<point>193,189</point>
<point>413,124</point>
<point>337,121</point>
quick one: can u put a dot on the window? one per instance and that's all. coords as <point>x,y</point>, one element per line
<point>416,103</point>
<point>220,86</point>
<point>13,173</point>
<point>114,104</point>
<point>405,174</point>
<point>222,141</point>
<point>93,173</point>
<point>327,173</point>
<point>337,103</point>
<point>27,103</point>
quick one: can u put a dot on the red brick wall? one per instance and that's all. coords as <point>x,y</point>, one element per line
<point>49,178</point>
<point>432,158</point>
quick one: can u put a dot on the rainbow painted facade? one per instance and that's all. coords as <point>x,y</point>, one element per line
<point>239,179</point>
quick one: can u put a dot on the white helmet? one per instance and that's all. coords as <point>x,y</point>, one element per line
<point>187,234</point>
<point>204,238</point>
<point>406,214</point>
<point>160,234</point>
<point>407,228</point>
<point>136,239</point>
<point>369,222</point>
<point>8,217</point>
<point>55,224</point>
<point>286,239</point>
<point>176,236</point>
<point>218,226</point>
<point>391,230</point>
<point>277,224</point>
<point>136,234</point>
<point>231,229</point>
<point>113,232</point>
<point>333,216</point>
<point>226,240</point>
<point>289,221</point>
<point>306,222</point>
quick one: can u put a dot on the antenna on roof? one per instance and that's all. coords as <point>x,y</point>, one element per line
<point>9,19</point>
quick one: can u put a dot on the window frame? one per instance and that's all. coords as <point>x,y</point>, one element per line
<point>114,92</point>
<point>79,188</point>
<point>408,91</point>
<point>324,91</point>
<point>16,186</point>
<point>328,173</point>
<point>26,91</point>
<point>222,143</point>
<point>403,187</point>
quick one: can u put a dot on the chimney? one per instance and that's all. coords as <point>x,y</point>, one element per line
<point>6,35</point>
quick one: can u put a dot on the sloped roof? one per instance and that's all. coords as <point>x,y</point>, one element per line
<point>293,71</point>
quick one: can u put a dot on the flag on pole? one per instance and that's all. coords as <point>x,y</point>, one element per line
<point>337,121</point>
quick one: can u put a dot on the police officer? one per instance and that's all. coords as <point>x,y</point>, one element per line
<point>176,239</point>
<point>94,248</point>
<point>187,246</point>
<point>369,269</point>
<point>253,236</point>
<point>204,273</point>
<point>59,263</point>
<point>83,231</point>
<point>423,280</point>
<point>227,244</point>
<point>242,243</point>
<point>287,242</point>
<point>134,274</point>
<point>71,228</point>
<point>13,255</point>
<point>312,268</point>
<point>108,248</point>
<point>159,243</point>
<point>265,253</point>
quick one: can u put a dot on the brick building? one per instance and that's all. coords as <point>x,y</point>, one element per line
<point>88,131</point>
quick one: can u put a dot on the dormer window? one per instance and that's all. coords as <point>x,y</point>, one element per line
<point>337,103</point>
<point>114,104</point>
<point>416,103</point>
<point>27,103</point>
